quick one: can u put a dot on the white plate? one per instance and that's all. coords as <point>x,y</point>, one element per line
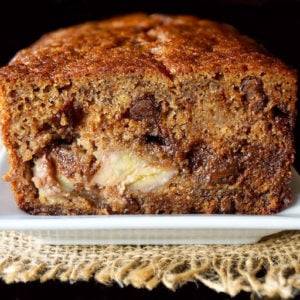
<point>145,229</point>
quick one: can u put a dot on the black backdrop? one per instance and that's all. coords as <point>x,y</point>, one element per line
<point>275,24</point>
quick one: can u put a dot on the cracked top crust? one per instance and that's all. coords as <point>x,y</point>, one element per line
<point>155,44</point>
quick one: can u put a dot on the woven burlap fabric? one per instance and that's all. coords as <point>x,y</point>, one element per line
<point>268,268</point>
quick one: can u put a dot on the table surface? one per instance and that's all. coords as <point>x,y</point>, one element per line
<point>275,24</point>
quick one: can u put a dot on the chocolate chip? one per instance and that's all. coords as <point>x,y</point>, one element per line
<point>197,156</point>
<point>253,92</point>
<point>223,172</point>
<point>212,167</point>
<point>154,139</point>
<point>65,160</point>
<point>74,114</point>
<point>145,109</point>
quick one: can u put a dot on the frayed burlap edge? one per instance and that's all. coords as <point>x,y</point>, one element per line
<point>269,268</point>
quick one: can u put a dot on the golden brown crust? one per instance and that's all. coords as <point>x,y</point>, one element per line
<point>208,113</point>
<point>141,43</point>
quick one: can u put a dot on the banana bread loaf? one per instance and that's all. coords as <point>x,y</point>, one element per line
<point>148,114</point>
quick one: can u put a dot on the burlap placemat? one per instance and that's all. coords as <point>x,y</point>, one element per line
<point>268,268</point>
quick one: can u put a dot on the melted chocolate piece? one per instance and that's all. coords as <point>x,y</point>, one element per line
<point>145,109</point>
<point>253,92</point>
<point>212,167</point>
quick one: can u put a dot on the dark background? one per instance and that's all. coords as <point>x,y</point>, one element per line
<point>275,24</point>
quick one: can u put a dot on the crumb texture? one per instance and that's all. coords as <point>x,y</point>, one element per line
<point>148,114</point>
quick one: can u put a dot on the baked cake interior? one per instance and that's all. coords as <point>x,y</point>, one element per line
<point>151,135</point>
